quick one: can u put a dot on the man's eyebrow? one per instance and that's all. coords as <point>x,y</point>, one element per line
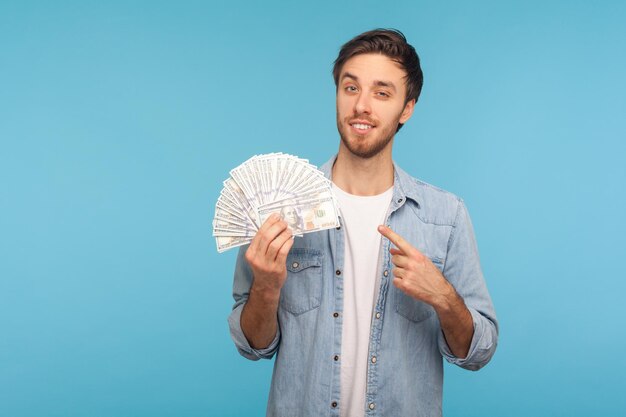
<point>348,75</point>
<point>387,84</point>
<point>378,83</point>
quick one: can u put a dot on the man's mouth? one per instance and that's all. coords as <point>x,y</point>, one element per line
<point>361,126</point>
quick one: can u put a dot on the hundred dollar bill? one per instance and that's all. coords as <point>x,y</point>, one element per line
<point>241,179</point>
<point>223,231</point>
<point>263,167</point>
<point>304,216</point>
<point>289,171</point>
<point>233,211</point>
<point>313,181</point>
<point>269,183</point>
<point>236,192</point>
<point>228,242</point>
<point>225,222</point>
<point>228,217</point>
<point>305,199</point>
<point>277,177</point>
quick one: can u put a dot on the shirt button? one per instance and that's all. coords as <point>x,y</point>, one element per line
<point>338,272</point>
<point>377,315</point>
<point>333,404</point>
<point>335,315</point>
<point>372,406</point>
<point>336,358</point>
<point>295,265</point>
<point>373,359</point>
<point>385,273</point>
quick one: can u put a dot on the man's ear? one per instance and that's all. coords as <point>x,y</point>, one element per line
<point>407,112</point>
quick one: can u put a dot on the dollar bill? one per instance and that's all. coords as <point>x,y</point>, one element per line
<point>227,242</point>
<point>272,183</point>
<point>231,223</point>
<point>304,216</point>
<point>227,231</point>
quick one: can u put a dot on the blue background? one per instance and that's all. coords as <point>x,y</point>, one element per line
<point>118,123</point>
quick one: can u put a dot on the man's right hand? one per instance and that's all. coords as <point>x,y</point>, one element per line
<point>267,256</point>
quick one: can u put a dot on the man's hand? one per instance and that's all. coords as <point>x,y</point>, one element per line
<point>267,257</point>
<point>415,275</point>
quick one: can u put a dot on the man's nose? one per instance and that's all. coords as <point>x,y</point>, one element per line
<point>362,104</point>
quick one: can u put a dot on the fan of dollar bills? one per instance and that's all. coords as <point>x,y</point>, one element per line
<point>272,183</point>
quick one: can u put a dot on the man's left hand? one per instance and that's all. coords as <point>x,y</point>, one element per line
<point>414,273</point>
<point>417,276</point>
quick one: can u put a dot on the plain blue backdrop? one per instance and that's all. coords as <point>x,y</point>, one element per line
<point>119,121</point>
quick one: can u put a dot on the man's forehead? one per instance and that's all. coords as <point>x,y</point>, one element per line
<point>373,68</point>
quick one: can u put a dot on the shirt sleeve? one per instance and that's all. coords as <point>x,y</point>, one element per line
<point>462,270</point>
<point>241,290</point>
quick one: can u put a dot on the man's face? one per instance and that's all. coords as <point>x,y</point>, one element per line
<point>370,103</point>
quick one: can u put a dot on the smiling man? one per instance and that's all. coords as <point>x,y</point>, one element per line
<point>360,317</point>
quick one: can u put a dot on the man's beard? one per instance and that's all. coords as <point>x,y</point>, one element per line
<point>386,135</point>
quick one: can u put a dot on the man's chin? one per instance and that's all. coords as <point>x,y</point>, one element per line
<point>362,150</point>
<point>365,153</point>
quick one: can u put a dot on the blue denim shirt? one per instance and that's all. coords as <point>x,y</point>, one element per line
<point>406,340</point>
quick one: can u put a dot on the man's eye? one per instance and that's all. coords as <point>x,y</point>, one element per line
<point>383,94</point>
<point>351,88</point>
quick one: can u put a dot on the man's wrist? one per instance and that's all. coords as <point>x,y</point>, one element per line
<point>264,294</point>
<point>448,301</point>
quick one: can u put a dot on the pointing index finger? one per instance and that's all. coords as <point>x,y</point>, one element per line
<point>395,238</point>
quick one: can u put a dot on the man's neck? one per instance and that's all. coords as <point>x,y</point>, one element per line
<point>364,177</point>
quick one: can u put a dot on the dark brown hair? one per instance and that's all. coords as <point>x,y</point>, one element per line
<point>388,42</point>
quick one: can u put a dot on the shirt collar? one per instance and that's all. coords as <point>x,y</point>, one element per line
<point>404,185</point>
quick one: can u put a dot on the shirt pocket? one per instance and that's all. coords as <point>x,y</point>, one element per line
<point>411,308</point>
<point>302,290</point>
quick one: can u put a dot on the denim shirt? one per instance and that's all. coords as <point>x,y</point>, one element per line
<point>406,345</point>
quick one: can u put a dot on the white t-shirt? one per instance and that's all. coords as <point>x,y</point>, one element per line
<point>361,216</point>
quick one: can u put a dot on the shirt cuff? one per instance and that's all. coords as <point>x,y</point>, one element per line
<point>481,348</point>
<point>244,348</point>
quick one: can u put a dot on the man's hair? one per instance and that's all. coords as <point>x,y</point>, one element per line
<point>391,43</point>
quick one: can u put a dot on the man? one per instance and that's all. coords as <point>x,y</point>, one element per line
<point>359,317</point>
